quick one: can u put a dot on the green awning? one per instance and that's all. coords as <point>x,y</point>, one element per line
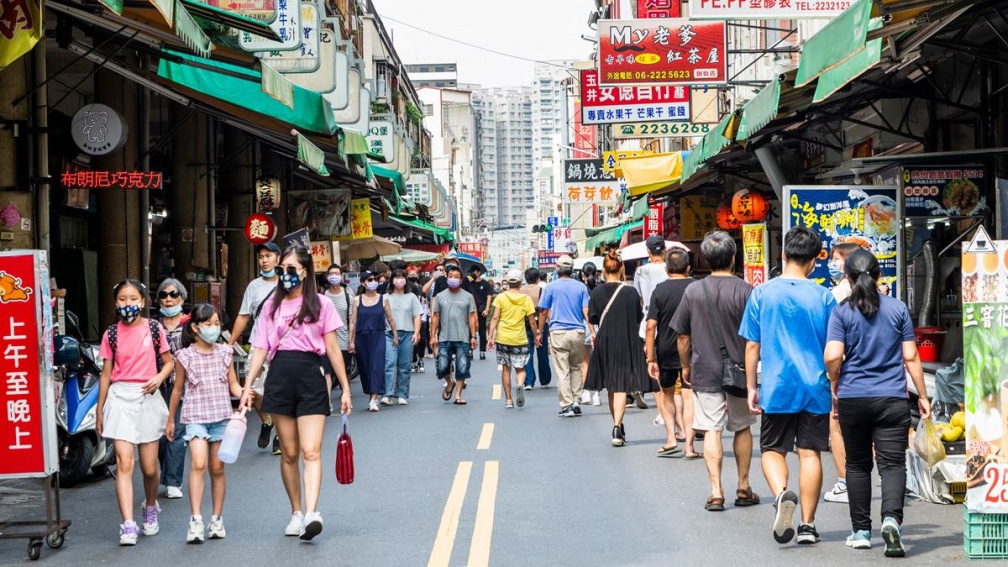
<point>243,87</point>
<point>833,80</point>
<point>640,209</point>
<point>226,18</point>
<point>392,175</point>
<point>354,143</point>
<point>759,111</point>
<point>840,40</point>
<point>442,234</point>
<point>693,161</point>
<point>311,155</point>
<point>715,140</point>
<point>611,234</point>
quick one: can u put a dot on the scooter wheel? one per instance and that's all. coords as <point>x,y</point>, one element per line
<point>34,549</point>
<point>55,539</point>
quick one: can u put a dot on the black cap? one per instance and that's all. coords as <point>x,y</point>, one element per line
<point>271,246</point>
<point>655,244</point>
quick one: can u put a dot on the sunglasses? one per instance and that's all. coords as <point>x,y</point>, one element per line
<point>166,294</point>
<point>369,279</point>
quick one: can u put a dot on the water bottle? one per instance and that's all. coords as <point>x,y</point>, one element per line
<point>233,436</point>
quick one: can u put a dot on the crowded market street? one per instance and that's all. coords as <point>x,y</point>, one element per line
<point>541,491</point>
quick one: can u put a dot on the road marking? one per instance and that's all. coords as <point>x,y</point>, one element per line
<point>497,392</point>
<point>486,436</point>
<point>445,541</point>
<point>479,550</point>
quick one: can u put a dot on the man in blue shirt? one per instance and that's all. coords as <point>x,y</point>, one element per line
<point>784,325</point>
<point>564,303</point>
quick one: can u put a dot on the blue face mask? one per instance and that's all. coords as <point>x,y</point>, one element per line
<point>269,274</point>
<point>128,313</point>
<point>835,273</point>
<point>171,311</point>
<point>290,280</point>
<point>210,334</point>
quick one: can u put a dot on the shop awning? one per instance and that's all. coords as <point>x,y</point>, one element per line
<point>715,140</point>
<point>644,174</point>
<point>229,19</point>
<point>609,235</point>
<point>640,209</point>
<point>408,255</point>
<point>440,234</point>
<point>354,143</point>
<point>759,111</point>
<point>693,161</point>
<point>242,87</point>
<point>834,79</point>
<point>841,39</point>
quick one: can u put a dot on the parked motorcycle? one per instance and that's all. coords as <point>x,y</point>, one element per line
<point>77,368</point>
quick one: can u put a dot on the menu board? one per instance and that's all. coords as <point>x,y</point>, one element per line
<point>754,253</point>
<point>985,341</point>
<point>865,215</point>
<point>938,191</point>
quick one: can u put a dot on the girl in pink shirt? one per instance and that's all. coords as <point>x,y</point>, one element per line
<point>130,410</point>
<point>296,328</point>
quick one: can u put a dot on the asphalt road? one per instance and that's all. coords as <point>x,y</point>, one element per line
<point>438,484</point>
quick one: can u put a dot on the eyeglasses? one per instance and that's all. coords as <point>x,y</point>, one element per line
<point>166,294</point>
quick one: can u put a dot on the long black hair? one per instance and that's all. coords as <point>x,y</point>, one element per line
<point>310,305</point>
<point>862,269</point>
<point>398,273</point>
<point>201,313</point>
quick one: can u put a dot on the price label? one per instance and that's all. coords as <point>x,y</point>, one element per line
<point>660,129</point>
<point>996,476</point>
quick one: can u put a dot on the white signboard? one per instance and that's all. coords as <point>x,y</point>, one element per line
<point>305,59</point>
<point>286,25</point>
<point>765,9</point>
<point>418,188</point>
<point>381,138</point>
<point>350,112</point>
<point>339,96</point>
<point>324,79</point>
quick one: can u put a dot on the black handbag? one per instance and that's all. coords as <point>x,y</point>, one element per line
<point>733,374</point>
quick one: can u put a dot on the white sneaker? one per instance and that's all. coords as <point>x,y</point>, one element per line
<point>403,402</point>
<point>372,405</point>
<point>312,526</point>
<point>128,533</point>
<point>296,525</point>
<point>837,494</point>
<point>216,529</point>
<point>195,533</point>
<point>595,401</point>
<point>385,401</point>
<point>659,421</point>
<point>173,492</point>
<point>586,397</point>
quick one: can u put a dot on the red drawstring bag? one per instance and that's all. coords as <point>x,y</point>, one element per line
<point>344,456</point>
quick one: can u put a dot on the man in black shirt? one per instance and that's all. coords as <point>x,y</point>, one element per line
<point>663,353</point>
<point>439,281</point>
<point>482,292</point>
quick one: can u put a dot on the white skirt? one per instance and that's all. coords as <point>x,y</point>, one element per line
<point>130,415</point>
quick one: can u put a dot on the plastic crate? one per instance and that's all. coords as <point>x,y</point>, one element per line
<point>985,536</point>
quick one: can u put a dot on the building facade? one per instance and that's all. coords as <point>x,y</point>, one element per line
<point>506,173</point>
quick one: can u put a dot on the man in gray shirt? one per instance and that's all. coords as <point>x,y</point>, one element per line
<point>453,333</point>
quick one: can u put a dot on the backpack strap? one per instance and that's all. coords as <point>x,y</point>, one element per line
<point>113,338</point>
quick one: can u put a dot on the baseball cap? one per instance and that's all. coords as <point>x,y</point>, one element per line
<point>514,276</point>
<point>655,244</point>
<point>271,246</point>
<point>565,261</point>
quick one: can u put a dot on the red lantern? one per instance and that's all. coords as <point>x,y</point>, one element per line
<point>259,229</point>
<point>725,219</point>
<point>749,205</point>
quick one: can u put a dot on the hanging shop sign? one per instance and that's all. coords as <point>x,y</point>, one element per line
<point>267,193</point>
<point>546,259</point>
<point>615,104</point>
<point>865,215</point>
<point>381,138</point>
<point>306,58</point>
<point>262,10</point>
<point>20,29</point>
<point>658,9</point>
<point>697,216</point>
<point>660,130</point>
<point>360,218</point>
<point>611,159</point>
<point>325,212</point>
<point>985,340</point>
<point>754,253</point>
<point>321,253</point>
<point>418,189</point>
<point>338,96</point>
<point>300,237</point>
<point>323,80</point>
<point>586,182</point>
<point>765,9</point>
<point>260,229</point>
<point>585,135</point>
<point>663,51</point>
<point>111,179</point>
<point>472,249</point>
<point>940,191</point>
<point>654,221</point>
<point>28,446</point>
<point>287,26</point>
<point>98,130</point>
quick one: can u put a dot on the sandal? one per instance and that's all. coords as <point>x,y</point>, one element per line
<point>746,497</point>
<point>668,451</point>
<point>714,504</point>
<point>459,402</point>
<point>692,457</point>
<point>448,389</point>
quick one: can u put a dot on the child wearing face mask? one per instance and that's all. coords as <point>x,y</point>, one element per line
<point>203,371</point>
<point>130,410</point>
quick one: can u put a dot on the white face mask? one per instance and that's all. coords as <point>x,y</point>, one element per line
<point>399,283</point>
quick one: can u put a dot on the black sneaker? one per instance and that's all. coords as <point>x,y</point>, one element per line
<point>807,534</point>
<point>566,412</point>
<point>577,409</point>
<point>617,437</point>
<point>276,445</point>
<point>264,435</point>
<point>482,356</point>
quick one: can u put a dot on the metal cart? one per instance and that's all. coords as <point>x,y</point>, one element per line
<point>51,530</point>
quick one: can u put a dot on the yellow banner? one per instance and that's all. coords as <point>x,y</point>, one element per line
<point>754,247</point>
<point>611,160</point>
<point>360,219</point>
<point>20,28</point>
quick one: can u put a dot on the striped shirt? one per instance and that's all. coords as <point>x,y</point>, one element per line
<point>207,396</point>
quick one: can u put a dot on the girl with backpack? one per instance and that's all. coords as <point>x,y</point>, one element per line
<point>130,409</point>
<point>203,371</point>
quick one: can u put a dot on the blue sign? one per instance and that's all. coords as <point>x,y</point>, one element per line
<point>553,222</point>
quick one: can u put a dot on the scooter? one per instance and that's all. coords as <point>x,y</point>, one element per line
<point>77,371</point>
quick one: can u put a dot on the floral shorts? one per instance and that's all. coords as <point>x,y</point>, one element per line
<point>513,356</point>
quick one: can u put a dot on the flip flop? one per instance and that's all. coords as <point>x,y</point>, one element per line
<point>746,497</point>
<point>448,390</point>
<point>692,457</point>
<point>459,402</point>
<point>714,504</point>
<point>668,451</point>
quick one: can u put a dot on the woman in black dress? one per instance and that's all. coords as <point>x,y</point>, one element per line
<point>617,360</point>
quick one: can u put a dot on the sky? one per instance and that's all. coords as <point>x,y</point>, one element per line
<point>534,29</point>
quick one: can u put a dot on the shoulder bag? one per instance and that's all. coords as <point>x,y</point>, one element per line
<point>733,374</point>
<point>259,384</point>
<point>608,305</point>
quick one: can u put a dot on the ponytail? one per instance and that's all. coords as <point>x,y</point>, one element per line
<point>862,269</point>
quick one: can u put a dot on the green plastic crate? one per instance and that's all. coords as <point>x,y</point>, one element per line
<point>985,536</point>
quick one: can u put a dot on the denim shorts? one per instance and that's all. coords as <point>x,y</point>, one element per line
<point>463,356</point>
<point>212,432</point>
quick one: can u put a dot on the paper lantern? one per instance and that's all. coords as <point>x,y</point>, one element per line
<point>267,193</point>
<point>725,219</point>
<point>749,205</point>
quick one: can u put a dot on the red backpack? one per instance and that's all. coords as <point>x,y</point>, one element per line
<point>344,456</point>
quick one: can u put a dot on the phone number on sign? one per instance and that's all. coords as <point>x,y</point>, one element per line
<point>648,75</point>
<point>827,6</point>
<point>673,128</point>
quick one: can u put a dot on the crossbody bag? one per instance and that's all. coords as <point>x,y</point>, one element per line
<point>259,384</point>
<point>733,374</point>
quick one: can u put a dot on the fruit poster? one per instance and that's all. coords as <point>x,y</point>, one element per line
<point>985,340</point>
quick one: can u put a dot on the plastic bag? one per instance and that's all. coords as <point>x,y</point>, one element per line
<point>928,443</point>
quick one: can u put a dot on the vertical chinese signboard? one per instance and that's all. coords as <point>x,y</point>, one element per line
<point>754,251</point>
<point>697,216</point>
<point>663,51</point>
<point>28,445</point>
<point>654,222</point>
<point>360,219</point>
<point>985,341</point>
<point>586,182</point>
<point>864,215</point>
<point>658,8</point>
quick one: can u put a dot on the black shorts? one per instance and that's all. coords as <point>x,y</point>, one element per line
<point>783,432</point>
<point>670,379</point>
<point>295,385</point>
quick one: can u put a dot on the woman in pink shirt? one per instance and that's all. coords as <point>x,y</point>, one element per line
<point>296,328</point>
